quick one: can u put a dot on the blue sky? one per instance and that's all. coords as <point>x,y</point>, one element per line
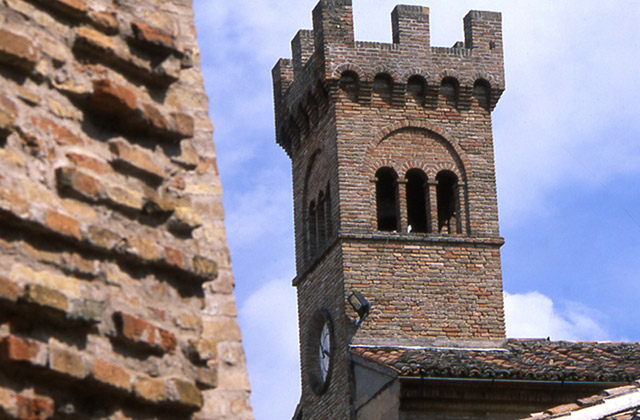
<point>567,143</point>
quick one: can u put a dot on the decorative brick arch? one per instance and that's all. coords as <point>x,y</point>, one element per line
<point>387,131</point>
<point>382,69</point>
<point>430,79</point>
<point>338,70</point>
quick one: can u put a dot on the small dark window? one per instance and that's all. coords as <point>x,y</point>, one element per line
<point>313,233</point>
<point>387,199</point>
<point>417,200</point>
<point>447,192</point>
<point>321,222</point>
<point>382,85</point>
<point>417,88</point>
<point>482,93</point>
<point>327,206</point>
<point>349,83</point>
<point>449,91</point>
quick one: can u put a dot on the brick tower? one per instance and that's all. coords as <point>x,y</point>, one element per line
<point>394,190</point>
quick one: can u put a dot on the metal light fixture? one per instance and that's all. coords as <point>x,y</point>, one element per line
<point>360,305</point>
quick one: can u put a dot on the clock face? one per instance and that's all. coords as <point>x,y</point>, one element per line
<point>325,351</point>
<point>321,349</point>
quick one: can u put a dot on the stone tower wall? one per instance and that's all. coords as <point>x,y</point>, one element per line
<point>116,292</point>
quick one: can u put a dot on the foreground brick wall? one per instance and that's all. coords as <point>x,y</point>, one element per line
<point>116,293</point>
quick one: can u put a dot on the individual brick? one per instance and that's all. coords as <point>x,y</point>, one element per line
<point>87,37</point>
<point>17,50</point>
<point>140,332</point>
<point>205,267</point>
<point>207,377</point>
<point>78,182</point>
<point>72,8</point>
<point>113,98</point>
<point>153,36</point>
<point>67,361</point>
<point>122,196</point>
<point>106,21</point>
<point>103,237</point>
<point>84,161</point>
<point>185,393</point>
<point>34,408</point>
<point>184,220</point>
<point>183,124</point>
<point>9,290</point>
<point>202,349</point>
<point>59,133</point>
<point>151,389</point>
<point>63,224</point>
<point>17,349</point>
<point>8,114</point>
<point>87,310</point>
<point>174,257</point>
<point>111,374</point>
<point>45,296</point>
<point>136,159</point>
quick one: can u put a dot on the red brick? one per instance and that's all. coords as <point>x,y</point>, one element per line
<point>73,8</point>
<point>111,374</point>
<point>142,332</point>
<point>60,134</point>
<point>174,257</point>
<point>152,117</point>
<point>135,157</point>
<point>88,162</point>
<point>79,182</point>
<point>34,408</point>
<point>153,35</point>
<point>63,224</point>
<point>17,50</point>
<point>113,98</point>
<point>104,20</point>
<point>150,389</point>
<point>17,349</point>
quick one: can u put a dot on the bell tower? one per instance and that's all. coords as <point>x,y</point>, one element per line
<point>394,191</point>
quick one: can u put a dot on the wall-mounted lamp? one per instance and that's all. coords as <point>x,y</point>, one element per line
<point>360,305</point>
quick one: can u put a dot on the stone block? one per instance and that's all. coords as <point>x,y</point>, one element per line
<point>151,389</point>
<point>183,124</point>
<point>122,196</point>
<point>17,50</point>
<point>91,163</point>
<point>184,220</point>
<point>61,223</point>
<point>17,349</point>
<point>145,248</point>
<point>174,257</point>
<point>87,310</point>
<point>153,36</point>
<point>103,237</point>
<point>222,329</point>
<point>111,374</point>
<point>202,349</point>
<point>207,377</point>
<point>67,361</point>
<point>45,296</point>
<point>59,133</point>
<point>135,158</point>
<point>185,393</point>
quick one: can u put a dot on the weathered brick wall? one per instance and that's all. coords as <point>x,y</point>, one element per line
<point>116,293</point>
<point>340,124</point>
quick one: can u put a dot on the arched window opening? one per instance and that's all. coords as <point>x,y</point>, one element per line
<point>313,236</point>
<point>449,91</point>
<point>327,211</point>
<point>349,83</point>
<point>382,86</point>
<point>417,88</point>
<point>387,199</point>
<point>321,222</point>
<point>447,192</point>
<point>417,200</point>
<point>482,93</point>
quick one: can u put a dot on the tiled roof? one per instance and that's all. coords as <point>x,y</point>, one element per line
<point>622,403</point>
<point>518,359</point>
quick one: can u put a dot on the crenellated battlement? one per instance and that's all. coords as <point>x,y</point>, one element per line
<point>320,57</point>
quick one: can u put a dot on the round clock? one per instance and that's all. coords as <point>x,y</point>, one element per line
<point>320,351</point>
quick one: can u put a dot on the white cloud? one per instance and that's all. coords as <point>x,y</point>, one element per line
<point>269,325</point>
<point>534,315</point>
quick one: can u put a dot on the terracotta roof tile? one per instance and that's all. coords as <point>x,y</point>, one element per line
<point>520,359</point>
